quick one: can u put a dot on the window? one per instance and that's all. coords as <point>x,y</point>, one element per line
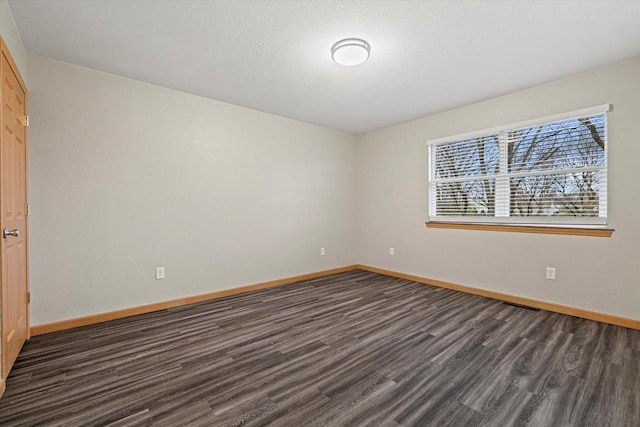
<point>550,171</point>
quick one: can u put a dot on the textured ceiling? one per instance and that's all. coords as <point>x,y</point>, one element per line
<point>274,56</point>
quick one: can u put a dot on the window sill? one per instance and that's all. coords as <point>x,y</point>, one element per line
<point>595,232</point>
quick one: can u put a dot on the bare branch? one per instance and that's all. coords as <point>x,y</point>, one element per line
<point>594,131</point>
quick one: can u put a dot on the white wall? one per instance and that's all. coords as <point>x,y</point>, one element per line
<point>11,36</point>
<point>600,274</point>
<point>126,176</point>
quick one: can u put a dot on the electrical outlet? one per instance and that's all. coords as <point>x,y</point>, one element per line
<point>392,251</point>
<point>551,273</point>
<point>322,251</point>
<point>159,273</point>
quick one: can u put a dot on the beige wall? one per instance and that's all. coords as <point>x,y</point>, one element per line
<point>126,176</point>
<point>600,274</point>
<point>11,36</point>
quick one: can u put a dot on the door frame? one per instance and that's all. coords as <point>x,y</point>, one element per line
<point>4,51</point>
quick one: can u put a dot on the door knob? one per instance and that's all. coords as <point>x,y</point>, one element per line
<point>6,233</point>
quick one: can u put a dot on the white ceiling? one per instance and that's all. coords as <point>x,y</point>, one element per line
<point>274,56</point>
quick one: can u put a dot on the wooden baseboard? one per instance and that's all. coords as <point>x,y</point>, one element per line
<point>544,305</point>
<point>3,387</point>
<point>118,314</point>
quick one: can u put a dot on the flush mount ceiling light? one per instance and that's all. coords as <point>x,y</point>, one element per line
<point>350,52</point>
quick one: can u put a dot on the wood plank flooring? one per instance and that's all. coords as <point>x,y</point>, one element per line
<point>351,349</point>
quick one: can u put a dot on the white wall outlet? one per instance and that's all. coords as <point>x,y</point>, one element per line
<point>322,251</point>
<point>159,273</point>
<point>551,273</point>
<point>392,251</point>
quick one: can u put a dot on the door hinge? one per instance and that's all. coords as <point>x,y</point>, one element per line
<point>25,121</point>
<point>28,297</point>
<point>27,209</point>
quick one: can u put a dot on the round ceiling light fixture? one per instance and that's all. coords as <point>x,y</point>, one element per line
<point>350,52</point>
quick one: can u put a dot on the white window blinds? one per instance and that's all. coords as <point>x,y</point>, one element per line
<point>548,171</point>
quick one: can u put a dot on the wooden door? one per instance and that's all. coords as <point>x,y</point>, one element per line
<point>13,206</point>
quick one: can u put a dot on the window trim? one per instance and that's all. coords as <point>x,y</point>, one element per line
<point>552,225</point>
<point>598,109</point>
<point>595,231</point>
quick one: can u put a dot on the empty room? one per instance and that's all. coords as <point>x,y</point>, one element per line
<point>320,213</point>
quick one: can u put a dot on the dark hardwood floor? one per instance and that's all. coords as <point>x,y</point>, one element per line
<point>355,348</point>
